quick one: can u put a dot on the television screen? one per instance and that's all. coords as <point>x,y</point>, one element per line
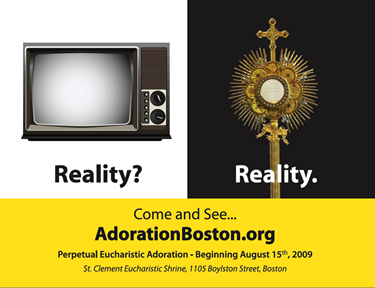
<point>96,91</point>
<point>81,89</point>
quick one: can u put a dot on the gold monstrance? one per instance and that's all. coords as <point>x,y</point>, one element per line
<point>270,89</point>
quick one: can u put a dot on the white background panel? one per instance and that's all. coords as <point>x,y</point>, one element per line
<point>27,168</point>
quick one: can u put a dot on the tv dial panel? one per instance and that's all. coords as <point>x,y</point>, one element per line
<point>154,87</point>
<point>154,107</point>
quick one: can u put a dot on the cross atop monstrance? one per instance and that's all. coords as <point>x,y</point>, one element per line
<point>273,90</point>
<point>272,34</point>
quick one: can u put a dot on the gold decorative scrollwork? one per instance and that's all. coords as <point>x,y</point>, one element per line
<point>275,132</point>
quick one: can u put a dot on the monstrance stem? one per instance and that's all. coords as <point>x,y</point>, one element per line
<point>274,161</point>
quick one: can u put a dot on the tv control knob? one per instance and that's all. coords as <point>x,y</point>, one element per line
<point>157,116</point>
<point>157,98</point>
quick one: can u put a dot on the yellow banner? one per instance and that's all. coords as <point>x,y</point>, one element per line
<point>187,243</point>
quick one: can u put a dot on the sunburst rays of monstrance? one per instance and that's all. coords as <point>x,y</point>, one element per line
<point>273,89</point>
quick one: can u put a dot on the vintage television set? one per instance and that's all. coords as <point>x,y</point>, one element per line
<point>96,91</point>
